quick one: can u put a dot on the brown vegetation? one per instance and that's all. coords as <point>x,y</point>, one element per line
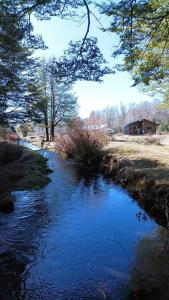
<point>8,134</point>
<point>146,180</point>
<point>150,140</point>
<point>83,145</point>
<point>20,169</point>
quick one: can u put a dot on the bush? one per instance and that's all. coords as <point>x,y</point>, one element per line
<point>151,140</point>
<point>8,134</point>
<point>9,152</point>
<point>83,145</point>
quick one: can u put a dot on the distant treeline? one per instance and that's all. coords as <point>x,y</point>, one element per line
<point>117,116</point>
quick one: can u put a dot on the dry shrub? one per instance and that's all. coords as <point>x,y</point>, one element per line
<point>12,136</point>
<point>151,140</point>
<point>9,152</point>
<point>83,145</point>
<point>8,135</point>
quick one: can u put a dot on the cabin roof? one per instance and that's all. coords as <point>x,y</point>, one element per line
<point>141,121</point>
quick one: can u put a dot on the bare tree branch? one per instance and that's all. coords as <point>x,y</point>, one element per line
<point>88,25</point>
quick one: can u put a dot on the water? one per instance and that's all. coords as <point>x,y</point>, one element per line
<point>74,239</point>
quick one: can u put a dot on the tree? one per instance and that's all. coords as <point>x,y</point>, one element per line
<point>38,98</point>
<point>51,90</point>
<point>142,27</point>
<point>63,105</point>
<point>115,117</point>
<point>79,63</point>
<point>16,45</point>
<point>50,101</point>
<point>25,128</point>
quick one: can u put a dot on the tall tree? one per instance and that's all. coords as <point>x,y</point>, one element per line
<point>50,101</point>
<point>16,45</point>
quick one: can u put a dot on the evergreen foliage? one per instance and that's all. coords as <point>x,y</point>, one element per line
<point>142,27</point>
<point>82,61</point>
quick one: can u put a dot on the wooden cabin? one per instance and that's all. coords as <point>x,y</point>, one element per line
<point>141,127</point>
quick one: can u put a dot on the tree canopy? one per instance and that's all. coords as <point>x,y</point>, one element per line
<point>16,62</point>
<point>142,27</point>
<point>82,61</point>
<point>86,63</point>
<point>50,101</point>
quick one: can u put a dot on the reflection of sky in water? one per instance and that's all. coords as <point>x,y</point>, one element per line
<point>75,238</point>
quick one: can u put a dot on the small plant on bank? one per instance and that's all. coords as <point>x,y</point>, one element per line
<point>86,146</point>
<point>151,140</point>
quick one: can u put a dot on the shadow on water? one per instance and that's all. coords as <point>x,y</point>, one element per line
<point>74,239</point>
<point>150,271</point>
<point>19,235</point>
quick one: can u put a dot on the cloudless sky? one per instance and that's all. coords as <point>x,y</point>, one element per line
<point>114,89</point>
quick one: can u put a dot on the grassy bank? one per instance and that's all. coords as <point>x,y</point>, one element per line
<point>143,169</point>
<point>20,169</point>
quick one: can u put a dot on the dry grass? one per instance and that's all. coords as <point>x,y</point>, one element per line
<point>83,145</point>
<point>129,147</point>
<point>8,135</point>
<point>144,171</point>
<point>150,160</point>
<point>150,140</point>
<point>20,169</point>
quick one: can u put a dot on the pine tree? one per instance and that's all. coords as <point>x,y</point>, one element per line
<point>142,27</point>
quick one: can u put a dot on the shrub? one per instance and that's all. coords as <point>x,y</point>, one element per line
<point>9,152</point>
<point>83,145</point>
<point>8,134</point>
<point>151,140</point>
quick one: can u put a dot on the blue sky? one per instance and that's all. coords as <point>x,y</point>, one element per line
<point>114,89</point>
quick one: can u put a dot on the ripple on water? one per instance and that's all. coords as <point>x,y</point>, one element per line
<point>73,239</point>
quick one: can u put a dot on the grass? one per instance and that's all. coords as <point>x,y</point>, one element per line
<point>144,171</point>
<point>83,145</point>
<point>129,147</point>
<point>20,169</point>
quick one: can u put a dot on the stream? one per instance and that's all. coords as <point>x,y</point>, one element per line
<point>76,238</point>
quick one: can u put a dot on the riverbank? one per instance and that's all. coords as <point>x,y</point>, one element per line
<point>29,171</point>
<point>37,140</point>
<point>143,170</point>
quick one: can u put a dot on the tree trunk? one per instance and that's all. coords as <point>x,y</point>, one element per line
<point>47,132</point>
<point>52,132</point>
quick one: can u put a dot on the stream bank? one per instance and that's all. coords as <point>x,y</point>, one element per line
<point>29,171</point>
<point>145,180</point>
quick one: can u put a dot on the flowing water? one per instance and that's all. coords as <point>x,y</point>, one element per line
<point>73,239</point>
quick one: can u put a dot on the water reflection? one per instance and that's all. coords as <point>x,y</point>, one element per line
<point>20,233</point>
<point>73,239</point>
<point>150,272</point>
